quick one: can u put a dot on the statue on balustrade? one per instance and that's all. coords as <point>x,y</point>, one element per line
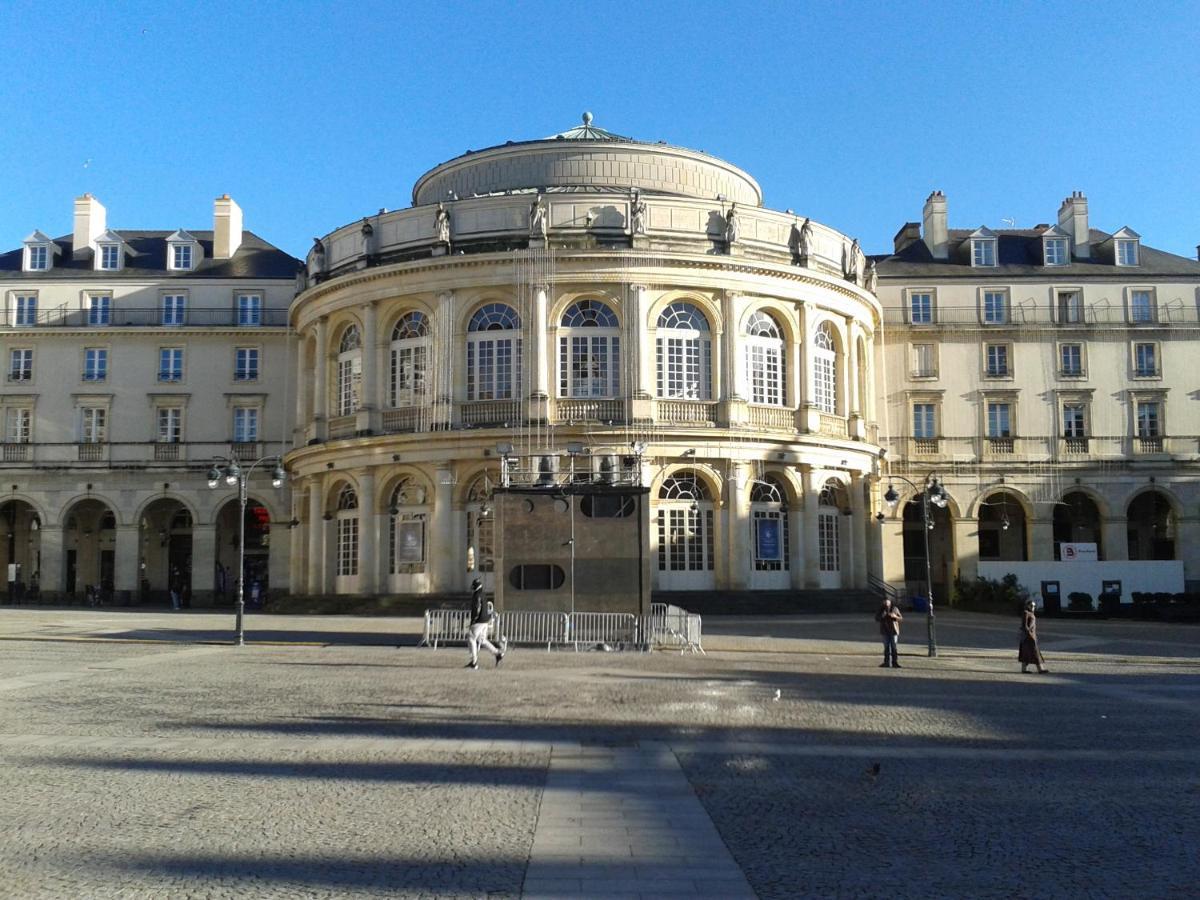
<point>538,226</point>
<point>316,259</point>
<point>638,215</point>
<point>871,282</point>
<point>806,243</point>
<point>441,225</point>
<point>731,226</point>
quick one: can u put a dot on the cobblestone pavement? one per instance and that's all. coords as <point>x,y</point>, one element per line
<point>343,769</point>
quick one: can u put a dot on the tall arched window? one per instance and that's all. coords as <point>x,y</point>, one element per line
<point>589,351</point>
<point>769,514</point>
<point>479,522</point>
<point>765,373</point>
<point>829,548</point>
<point>406,527</point>
<point>494,353</point>
<point>347,532</point>
<point>410,358</point>
<point>684,348</point>
<point>685,525</point>
<point>824,369</point>
<point>349,372</point>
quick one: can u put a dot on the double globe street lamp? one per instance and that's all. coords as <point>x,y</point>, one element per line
<point>931,492</point>
<point>227,470</point>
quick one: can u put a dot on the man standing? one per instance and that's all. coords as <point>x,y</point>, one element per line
<point>481,620</point>
<point>889,619</point>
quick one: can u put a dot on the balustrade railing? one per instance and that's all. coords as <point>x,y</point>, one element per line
<point>686,412</point>
<point>834,426</point>
<point>342,427</point>
<point>583,410</point>
<point>779,418</point>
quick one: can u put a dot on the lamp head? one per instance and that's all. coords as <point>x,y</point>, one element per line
<point>937,495</point>
<point>277,476</point>
<point>232,474</point>
<point>214,476</point>
<point>890,497</point>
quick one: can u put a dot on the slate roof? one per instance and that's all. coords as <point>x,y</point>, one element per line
<point>1019,253</point>
<point>255,258</point>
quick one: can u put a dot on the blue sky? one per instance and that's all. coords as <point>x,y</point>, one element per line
<point>315,114</point>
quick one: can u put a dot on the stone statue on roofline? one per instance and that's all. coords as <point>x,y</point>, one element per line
<point>871,282</point>
<point>731,226</point>
<point>860,263</point>
<point>850,257</point>
<point>538,226</point>
<point>316,259</point>
<point>441,225</point>
<point>368,234</point>
<point>806,243</point>
<point>638,215</point>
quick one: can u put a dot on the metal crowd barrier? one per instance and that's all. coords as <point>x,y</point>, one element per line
<point>603,628</point>
<point>672,626</point>
<point>444,626</point>
<point>527,627</point>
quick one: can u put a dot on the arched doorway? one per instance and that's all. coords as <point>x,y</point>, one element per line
<point>769,535</point>
<point>1002,529</point>
<point>1077,521</point>
<point>480,530</point>
<point>685,534</point>
<point>165,542</point>
<point>89,549</point>
<point>21,550</point>
<point>941,550</point>
<point>831,548</point>
<point>1151,527</point>
<point>256,573</point>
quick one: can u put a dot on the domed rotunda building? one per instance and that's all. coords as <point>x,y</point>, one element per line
<point>585,307</point>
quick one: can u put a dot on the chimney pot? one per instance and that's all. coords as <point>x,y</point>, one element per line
<point>89,223</point>
<point>227,227</point>
<point>936,227</point>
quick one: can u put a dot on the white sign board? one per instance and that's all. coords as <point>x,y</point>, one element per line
<point>1079,552</point>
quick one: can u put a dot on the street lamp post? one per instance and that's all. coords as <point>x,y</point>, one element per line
<point>931,492</point>
<point>228,470</point>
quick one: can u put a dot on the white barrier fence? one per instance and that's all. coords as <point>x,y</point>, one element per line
<point>666,626</point>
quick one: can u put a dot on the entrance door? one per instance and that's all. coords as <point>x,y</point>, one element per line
<point>69,583</point>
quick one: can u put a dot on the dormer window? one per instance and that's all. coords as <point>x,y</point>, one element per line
<point>1127,253</point>
<point>181,256</point>
<point>1055,251</point>
<point>38,258</point>
<point>983,248</point>
<point>39,252</point>
<point>183,252</point>
<point>112,252</point>
<point>110,256</point>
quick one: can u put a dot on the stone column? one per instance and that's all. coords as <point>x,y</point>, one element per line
<point>125,576</point>
<point>809,419</point>
<point>303,391</point>
<point>368,415</point>
<point>732,374</point>
<point>204,562</point>
<point>315,579</point>
<point>320,388</point>
<point>279,570</point>
<point>441,362</point>
<point>53,562</point>
<point>539,356</point>
<point>297,558</point>
<point>859,523</point>
<point>1040,537</point>
<point>855,423</point>
<point>1114,533</point>
<point>639,350</point>
<point>368,529</point>
<point>441,551</point>
<point>812,556</point>
<point>737,522</point>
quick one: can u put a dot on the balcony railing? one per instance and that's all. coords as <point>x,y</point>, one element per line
<point>342,427</point>
<point>1043,315</point>
<point>1075,446</point>
<point>16,452</point>
<point>483,413</point>
<point>64,317</point>
<point>584,410</point>
<point>166,451</point>
<point>1074,450</point>
<point>405,419</point>
<point>834,426</point>
<point>778,418</point>
<point>686,412</point>
<point>1148,445</point>
<point>1001,446</point>
<point>247,451</point>
<point>93,451</point>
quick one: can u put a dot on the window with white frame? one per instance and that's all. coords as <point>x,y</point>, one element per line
<point>824,354</point>
<point>685,525</point>
<point>20,364</point>
<point>924,421</point>
<point>1070,359</point>
<point>769,518</point>
<point>1149,419</point>
<point>983,252</point>
<point>589,351</point>
<point>349,372</point>
<point>920,307</point>
<point>1145,359</point>
<point>95,364</point>
<point>766,360</point>
<point>924,360</point>
<point>245,424</point>
<point>18,425</point>
<point>99,309</point>
<point>93,425</point>
<point>170,425</point>
<point>37,257</point>
<point>347,532</point>
<point>249,309</point>
<point>1141,306</point>
<point>1074,417</point>
<point>174,307</point>
<point>110,256</point>
<point>999,419</point>
<point>829,550</point>
<point>997,362</point>
<point>181,256</point>
<point>995,307</point>
<point>494,353</point>
<point>407,515</point>
<point>25,314</point>
<point>170,364</point>
<point>1055,251</point>
<point>683,347</point>
<point>245,364</point>
<point>1070,307</point>
<point>410,360</point>
<point>1127,252</point>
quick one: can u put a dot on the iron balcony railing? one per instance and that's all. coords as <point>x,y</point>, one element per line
<point>119,317</point>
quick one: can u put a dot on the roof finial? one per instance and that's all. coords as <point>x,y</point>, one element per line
<point>587,118</point>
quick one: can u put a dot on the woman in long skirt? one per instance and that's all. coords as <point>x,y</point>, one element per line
<point>1028,654</point>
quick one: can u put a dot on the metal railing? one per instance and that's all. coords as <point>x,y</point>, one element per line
<point>602,628</point>
<point>1044,316</point>
<point>975,449</point>
<point>118,317</point>
<point>672,626</point>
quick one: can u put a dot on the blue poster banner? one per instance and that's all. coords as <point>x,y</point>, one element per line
<point>768,539</point>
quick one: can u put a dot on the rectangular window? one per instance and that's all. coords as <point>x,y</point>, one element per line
<point>173,307</point>
<point>110,256</point>
<point>921,308</point>
<point>764,365</point>
<point>1071,359</point>
<point>170,425</point>
<point>181,256</point>
<point>347,545</point>
<point>1145,360</point>
<point>26,312</point>
<point>93,425</point>
<point>249,309</point>
<point>1141,306</point>
<point>1127,253</point>
<point>246,364</point>
<point>983,252</point>
<point>408,376</point>
<point>827,541</point>
<point>17,425</point>
<point>95,364</point>
<point>1148,419</point>
<point>99,309</point>
<point>20,365</point>
<point>1070,308</point>
<point>995,307</point>
<point>999,420</point>
<point>1056,251</point>
<point>38,258</point>
<point>1073,420</point>
<point>997,361</point>
<point>245,425</point>
<point>924,360</point>
<point>924,424</point>
<point>170,364</point>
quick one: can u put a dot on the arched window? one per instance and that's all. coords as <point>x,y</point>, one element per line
<point>409,360</point>
<point>824,369</point>
<point>349,372</point>
<point>479,522</point>
<point>589,351</point>
<point>685,525</point>
<point>769,515</point>
<point>347,532</point>
<point>406,527</point>
<point>684,348</point>
<point>494,353</point>
<point>765,360</point>
<point>829,528</point>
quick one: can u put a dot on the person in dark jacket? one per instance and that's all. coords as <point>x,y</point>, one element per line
<point>481,620</point>
<point>1028,653</point>
<point>889,619</point>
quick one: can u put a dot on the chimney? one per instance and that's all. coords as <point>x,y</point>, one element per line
<point>227,227</point>
<point>937,233</point>
<point>1073,219</point>
<point>908,234</point>
<point>89,222</point>
<point>1198,252</point>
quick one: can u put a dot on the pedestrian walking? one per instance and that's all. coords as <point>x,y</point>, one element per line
<point>1028,653</point>
<point>482,613</point>
<point>889,619</point>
